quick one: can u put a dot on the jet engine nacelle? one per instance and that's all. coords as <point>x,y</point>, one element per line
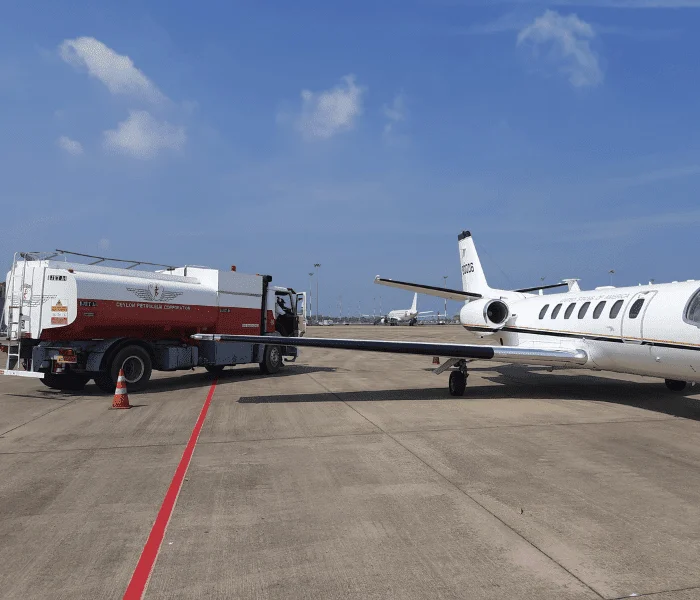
<point>491,313</point>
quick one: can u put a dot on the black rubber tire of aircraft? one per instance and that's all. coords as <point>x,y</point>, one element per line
<point>458,383</point>
<point>676,386</point>
<point>215,369</point>
<point>68,382</point>
<point>272,360</point>
<point>137,366</point>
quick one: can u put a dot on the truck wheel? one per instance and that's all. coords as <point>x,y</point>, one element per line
<point>105,383</point>
<point>272,360</point>
<point>69,382</point>
<point>137,367</point>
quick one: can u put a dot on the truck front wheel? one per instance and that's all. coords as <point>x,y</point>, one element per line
<point>272,360</point>
<point>137,366</point>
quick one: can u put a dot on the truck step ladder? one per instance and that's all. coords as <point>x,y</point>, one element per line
<point>18,301</point>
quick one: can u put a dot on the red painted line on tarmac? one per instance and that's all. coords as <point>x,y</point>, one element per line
<point>149,554</point>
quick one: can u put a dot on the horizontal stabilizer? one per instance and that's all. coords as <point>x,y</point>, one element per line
<point>508,354</point>
<point>430,290</point>
<point>542,287</point>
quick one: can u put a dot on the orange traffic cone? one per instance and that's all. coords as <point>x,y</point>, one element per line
<point>436,360</point>
<point>121,398</point>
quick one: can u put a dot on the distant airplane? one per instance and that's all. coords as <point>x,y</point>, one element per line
<point>651,330</point>
<point>410,315</point>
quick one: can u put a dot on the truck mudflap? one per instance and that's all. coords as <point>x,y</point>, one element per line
<point>33,374</point>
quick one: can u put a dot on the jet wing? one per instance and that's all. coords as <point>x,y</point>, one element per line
<point>509,354</point>
<point>430,290</point>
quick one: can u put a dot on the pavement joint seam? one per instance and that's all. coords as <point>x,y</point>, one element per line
<point>465,493</point>
<point>330,435</point>
<point>648,594</point>
<point>40,416</point>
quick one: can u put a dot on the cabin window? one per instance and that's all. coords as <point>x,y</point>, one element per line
<point>543,312</point>
<point>569,310</point>
<point>692,314</point>
<point>615,310</point>
<point>556,310</point>
<point>599,309</point>
<point>583,310</point>
<point>636,308</point>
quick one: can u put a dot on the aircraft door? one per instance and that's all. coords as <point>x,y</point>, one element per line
<point>633,317</point>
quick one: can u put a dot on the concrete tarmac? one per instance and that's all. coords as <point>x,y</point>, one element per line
<point>356,475</point>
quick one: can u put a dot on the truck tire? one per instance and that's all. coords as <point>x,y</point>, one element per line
<point>137,366</point>
<point>272,360</point>
<point>105,383</point>
<point>69,382</point>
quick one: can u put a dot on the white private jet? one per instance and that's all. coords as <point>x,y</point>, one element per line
<point>651,330</point>
<point>410,315</point>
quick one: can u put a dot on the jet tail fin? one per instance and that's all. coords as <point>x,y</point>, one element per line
<point>473,277</point>
<point>415,303</point>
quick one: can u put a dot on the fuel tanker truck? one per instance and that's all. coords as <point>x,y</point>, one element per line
<point>68,322</point>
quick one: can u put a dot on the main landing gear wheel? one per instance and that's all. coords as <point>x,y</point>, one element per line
<point>272,360</point>
<point>458,383</point>
<point>676,386</point>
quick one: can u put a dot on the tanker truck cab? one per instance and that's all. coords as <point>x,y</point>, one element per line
<point>290,311</point>
<point>71,322</point>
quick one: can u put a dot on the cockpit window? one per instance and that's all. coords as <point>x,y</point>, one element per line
<point>692,314</point>
<point>543,312</point>
<point>636,308</point>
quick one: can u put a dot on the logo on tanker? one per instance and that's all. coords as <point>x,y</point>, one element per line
<point>154,293</point>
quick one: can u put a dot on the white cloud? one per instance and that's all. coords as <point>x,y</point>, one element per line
<point>142,136</point>
<point>395,113</point>
<point>629,4</point>
<point>103,244</point>
<point>71,146</point>
<point>116,71</point>
<point>568,40</point>
<point>324,114</point>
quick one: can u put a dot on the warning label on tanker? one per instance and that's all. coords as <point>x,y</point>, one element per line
<point>152,306</point>
<point>58,307</point>
<point>59,320</point>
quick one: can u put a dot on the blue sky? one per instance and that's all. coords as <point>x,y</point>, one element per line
<point>361,135</point>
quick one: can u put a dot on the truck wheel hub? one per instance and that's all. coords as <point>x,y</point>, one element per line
<point>133,369</point>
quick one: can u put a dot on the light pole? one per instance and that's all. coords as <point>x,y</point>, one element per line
<point>445,278</point>
<point>309,310</point>
<point>318,304</point>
